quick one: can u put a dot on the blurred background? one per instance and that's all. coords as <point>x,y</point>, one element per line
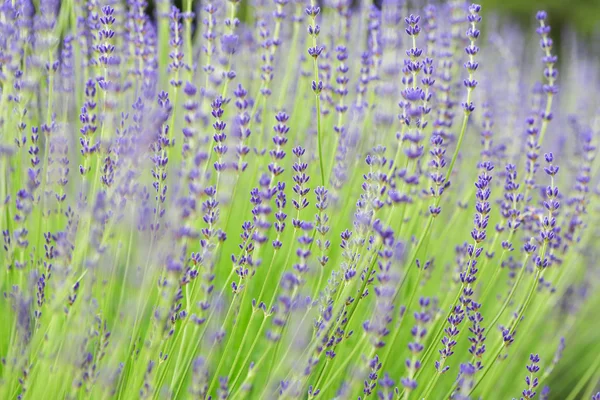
<point>581,16</point>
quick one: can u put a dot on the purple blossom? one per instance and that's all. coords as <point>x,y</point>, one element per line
<point>219,137</point>
<point>176,42</point>
<point>416,346</point>
<point>531,380</point>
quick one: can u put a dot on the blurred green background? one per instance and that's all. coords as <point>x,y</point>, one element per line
<point>583,16</point>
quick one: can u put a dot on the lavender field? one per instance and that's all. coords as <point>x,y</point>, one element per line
<point>292,199</point>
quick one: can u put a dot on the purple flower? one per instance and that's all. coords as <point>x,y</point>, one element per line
<point>436,174</point>
<point>190,134</point>
<point>531,380</point>
<point>370,384</point>
<point>512,198</point>
<point>243,128</point>
<point>89,126</point>
<point>548,226</point>
<point>342,90</point>
<point>304,250</point>
<point>176,42</point>
<point>322,224</point>
<point>280,140</point>
<point>229,43</point>
<point>266,70</point>
<point>472,50</point>
<point>387,388</point>
<point>550,73</point>
<point>300,180</point>
<point>464,381</point>
<point>105,48</point>
<point>219,136</point>
<point>160,158</point>
<point>416,346</point>
<point>280,215</point>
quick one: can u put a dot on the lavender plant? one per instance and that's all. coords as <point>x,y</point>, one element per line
<point>401,203</point>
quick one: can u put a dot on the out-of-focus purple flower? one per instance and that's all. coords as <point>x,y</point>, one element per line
<point>510,203</point>
<point>190,133</point>
<point>210,37</point>
<point>550,72</point>
<point>229,43</point>
<point>89,126</point>
<point>387,389</point>
<point>416,346</point>
<point>322,224</point>
<point>160,158</point>
<point>176,42</point>
<point>465,381</point>
<point>243,131</point>
<point>472,50</point>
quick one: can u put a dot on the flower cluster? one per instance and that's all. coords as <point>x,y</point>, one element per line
<point>274,199</point>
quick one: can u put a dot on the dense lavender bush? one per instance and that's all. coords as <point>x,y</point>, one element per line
<point>319,202</point>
